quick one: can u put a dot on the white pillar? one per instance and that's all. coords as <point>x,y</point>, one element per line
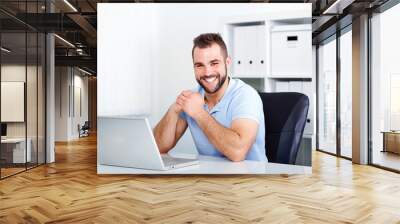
<point>360,90</point>
<point>50,99</point>
<point>50,92</point>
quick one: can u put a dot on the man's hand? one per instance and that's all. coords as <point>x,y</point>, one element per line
<point>191,103</point>
<point>176,108</point>
<point>170,128</point>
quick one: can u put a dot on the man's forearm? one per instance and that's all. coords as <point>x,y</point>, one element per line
<point>226,140</point>
<point>164,132</point>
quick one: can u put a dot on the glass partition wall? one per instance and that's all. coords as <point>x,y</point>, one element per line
<point>22,77</point>
<point>385,89</point>
<point>13,88</point>
<point>346,92</point>
<point>334,131</point>
<point>327,96</point>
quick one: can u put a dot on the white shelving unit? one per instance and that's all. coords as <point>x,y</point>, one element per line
<point>249,55</point>
<point>291,51</point>
<point>273,55</point>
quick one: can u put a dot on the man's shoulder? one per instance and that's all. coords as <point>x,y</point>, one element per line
<point>244,90</point>
<point>245,103</point>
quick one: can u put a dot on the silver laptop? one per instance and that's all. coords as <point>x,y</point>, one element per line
<point>129,142</point>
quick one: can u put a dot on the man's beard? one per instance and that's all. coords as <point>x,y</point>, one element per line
<point>219,84</point>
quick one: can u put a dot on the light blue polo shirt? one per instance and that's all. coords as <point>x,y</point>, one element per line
<point>239,101</point>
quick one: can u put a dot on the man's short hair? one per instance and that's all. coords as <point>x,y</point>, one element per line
<point>207,39</point>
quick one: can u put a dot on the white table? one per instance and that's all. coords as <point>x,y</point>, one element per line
<point>214,165</point>
<point>19,155</point>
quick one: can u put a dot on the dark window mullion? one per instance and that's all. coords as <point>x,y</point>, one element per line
<point>369,89</point>
<point>338,74</point>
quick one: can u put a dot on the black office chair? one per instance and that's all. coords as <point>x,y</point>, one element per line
<point>84,129</point>
<point>285,116</point>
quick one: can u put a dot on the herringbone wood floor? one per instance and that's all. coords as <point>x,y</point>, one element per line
<point>70,191</point>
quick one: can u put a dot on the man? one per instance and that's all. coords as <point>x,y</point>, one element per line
<point>225,116</point>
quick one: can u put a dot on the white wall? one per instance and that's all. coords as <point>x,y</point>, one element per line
<point>61,103</point>
<point>150,61</point>
<point>68,81</point>
<point>80,115</point>
<point>125,67</point>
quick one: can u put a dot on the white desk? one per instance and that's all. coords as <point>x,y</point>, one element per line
<point>214,165</point>
<point>19,155</point>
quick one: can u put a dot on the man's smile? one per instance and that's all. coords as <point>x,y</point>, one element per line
<point>210,79</point>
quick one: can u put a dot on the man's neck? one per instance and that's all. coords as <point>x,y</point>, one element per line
<point>213,98</point>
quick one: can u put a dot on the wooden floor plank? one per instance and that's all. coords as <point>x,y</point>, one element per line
<point>70,191</point>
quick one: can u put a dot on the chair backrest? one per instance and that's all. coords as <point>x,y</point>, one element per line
<point>86,125</point>
<point>285,116</point>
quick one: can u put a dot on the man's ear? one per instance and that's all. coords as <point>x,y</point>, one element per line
<point>228,60</point>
